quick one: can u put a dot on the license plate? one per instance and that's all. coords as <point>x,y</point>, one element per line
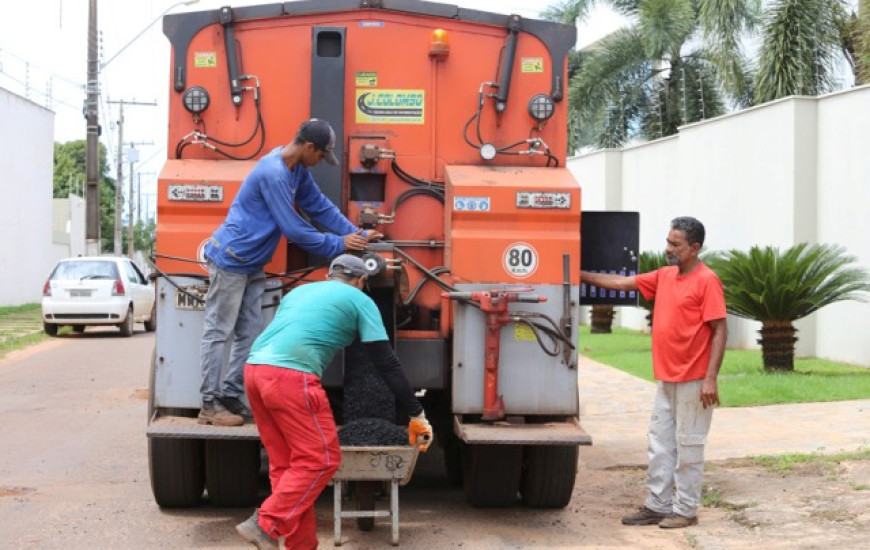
<point>192,299</point>
<point>79,293</point>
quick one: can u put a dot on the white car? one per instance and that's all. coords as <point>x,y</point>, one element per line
<point>97,291</point>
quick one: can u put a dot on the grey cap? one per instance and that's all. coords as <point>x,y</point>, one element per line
<point>348,264</point>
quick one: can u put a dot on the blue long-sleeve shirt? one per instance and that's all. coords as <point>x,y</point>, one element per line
<point>263,210</point>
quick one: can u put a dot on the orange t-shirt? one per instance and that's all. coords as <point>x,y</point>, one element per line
<point>684,307</point>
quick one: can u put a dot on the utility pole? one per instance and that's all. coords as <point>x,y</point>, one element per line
<point>119,181</point>
<point>139,197</point>
<point>91,112</point>
<point>92,193</point>
<point>139,194</point>
<point>132,157</point>
<point>119,198</point>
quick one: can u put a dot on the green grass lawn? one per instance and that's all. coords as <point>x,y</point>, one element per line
<point>20,326</point>
<point>742,380</point>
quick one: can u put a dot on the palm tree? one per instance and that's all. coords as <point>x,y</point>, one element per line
<point>601,319</point>
<point>801,40</point>
<point>856,39</point>
<point>777,288</point>
<point>679,62</point>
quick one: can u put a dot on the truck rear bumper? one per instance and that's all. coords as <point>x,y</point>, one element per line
<point>567,432</point>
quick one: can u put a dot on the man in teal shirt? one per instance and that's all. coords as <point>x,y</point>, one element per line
<point>291,410</point>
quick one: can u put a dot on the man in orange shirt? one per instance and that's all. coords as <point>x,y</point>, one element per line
<point>688,343</point>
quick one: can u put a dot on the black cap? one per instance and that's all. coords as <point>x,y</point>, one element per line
<point>321,134</point>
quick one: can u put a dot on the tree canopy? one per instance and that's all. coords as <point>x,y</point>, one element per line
<point>70,177</point>
<point>681,61</point>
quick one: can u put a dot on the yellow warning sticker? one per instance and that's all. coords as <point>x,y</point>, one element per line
<point>532,64</point>
<point>522,333</point>
<point>205,59</point>
<point>389,106</point>
<point>365,79</point>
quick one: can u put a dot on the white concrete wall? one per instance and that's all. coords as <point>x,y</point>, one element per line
<point>26,168</point>
<point>794,170</point>
<point>843,175</point>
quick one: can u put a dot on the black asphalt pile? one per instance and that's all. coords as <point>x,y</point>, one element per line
<point>366,395</point>
<point>372,432</point>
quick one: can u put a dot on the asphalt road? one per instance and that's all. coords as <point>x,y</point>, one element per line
<point>74,473</point>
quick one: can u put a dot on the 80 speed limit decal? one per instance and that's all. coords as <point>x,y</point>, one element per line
<point>520,260</point>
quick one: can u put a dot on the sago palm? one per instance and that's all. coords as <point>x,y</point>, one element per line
<point>777,288</point>
<point>680,61</point>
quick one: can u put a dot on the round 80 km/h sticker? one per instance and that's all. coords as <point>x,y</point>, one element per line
<point>520,260</point>
<point>200,254</point>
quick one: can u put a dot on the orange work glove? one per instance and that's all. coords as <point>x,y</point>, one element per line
<point>420,432</point>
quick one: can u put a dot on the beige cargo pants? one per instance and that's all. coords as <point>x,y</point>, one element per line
<point>677,434</point>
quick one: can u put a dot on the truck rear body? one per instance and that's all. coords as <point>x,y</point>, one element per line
<point>451,132</point>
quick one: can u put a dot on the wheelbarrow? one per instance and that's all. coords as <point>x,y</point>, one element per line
<point>368,466</point>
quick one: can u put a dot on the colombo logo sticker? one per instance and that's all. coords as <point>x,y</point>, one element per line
<point>389,106</point>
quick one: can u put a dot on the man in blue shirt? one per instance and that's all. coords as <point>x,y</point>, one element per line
<point>291,409</point>
<point>263,210</point>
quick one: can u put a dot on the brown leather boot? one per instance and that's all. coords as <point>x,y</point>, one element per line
<point>216,414</point>
<point>644,516</point>
<point>677,521</point>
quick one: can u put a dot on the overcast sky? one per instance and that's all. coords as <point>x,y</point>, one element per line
<point>43,56</point>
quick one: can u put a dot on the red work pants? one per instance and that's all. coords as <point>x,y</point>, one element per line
<point>296,426</point>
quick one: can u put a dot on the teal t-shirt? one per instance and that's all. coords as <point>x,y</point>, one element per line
<point>313,322</point>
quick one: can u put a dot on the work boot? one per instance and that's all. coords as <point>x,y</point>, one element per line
<point>215,414</point>
<point>677,521</point>
<point>251,531</point>
<point>236,406</point>
<point>644,516</point>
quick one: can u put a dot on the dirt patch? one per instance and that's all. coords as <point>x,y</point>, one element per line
<point>15,491</point>
<point>141,393</point>
<point>812,505</point>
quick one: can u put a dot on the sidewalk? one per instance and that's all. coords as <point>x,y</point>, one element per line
<point>615,409</point>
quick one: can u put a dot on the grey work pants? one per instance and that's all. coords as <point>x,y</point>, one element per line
<point>677,434</point>
<point>232,306</point>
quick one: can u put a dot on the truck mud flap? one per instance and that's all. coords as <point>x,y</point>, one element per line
<point>567,432</point>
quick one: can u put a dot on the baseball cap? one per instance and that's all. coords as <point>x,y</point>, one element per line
<point>348,264</point>
<point>321,134</point>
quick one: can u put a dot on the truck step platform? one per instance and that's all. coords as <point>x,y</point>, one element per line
<point>568,432</point>
<point>180,427</point>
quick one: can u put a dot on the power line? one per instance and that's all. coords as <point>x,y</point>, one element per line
<point>75,83</point>
<point>46,97</point>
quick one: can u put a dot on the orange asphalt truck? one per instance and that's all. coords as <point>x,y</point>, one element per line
<point>451,131</point>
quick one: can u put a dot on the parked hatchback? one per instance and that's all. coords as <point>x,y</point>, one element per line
<point>87,291</point>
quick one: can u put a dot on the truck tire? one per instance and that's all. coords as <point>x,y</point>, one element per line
<point>176,471</point>
<point>548,475</point>
<point>452,447</point>
<point>232,469</point>
<point>176,466</point>
<point>50,328</point>
<point>491,474</point>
